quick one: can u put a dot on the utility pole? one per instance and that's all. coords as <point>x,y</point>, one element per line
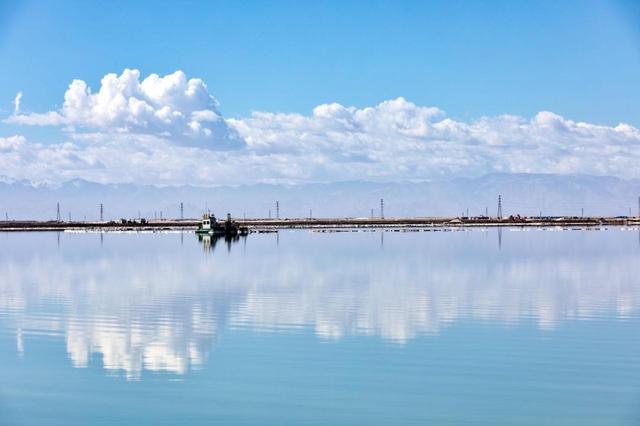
<point>310,214</point>
<point>101,212</point>
<point>58,212</point>
<point>499,206</point>
<point>277,209</point>
<point>160,214</point>
<point>381,208</point>
<point>486,211</point>
<point>181,210</point>
<point>582,212</point>
<point>371,213</point>
<point>269,213</point>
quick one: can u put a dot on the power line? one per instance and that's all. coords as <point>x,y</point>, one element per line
<point>499,206</point>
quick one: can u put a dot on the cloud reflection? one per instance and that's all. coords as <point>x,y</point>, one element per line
<point>140,307</point>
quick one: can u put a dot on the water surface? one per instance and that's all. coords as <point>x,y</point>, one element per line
<point>467,327</point>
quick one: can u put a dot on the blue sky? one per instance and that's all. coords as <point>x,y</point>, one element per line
<point>580,59</point>
<point>471,59</point>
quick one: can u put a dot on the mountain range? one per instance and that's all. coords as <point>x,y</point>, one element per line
<point>525,194</point>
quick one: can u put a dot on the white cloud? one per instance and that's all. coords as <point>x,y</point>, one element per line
<point>160,130</point>
<point>400,140</point>
<point>16,103</point>
<point>172,107</point>
<point>11,143</point>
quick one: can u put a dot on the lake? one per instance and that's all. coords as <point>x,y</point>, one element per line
<point>491,327</point>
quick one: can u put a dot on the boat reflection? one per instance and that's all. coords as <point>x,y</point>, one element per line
<point>209,242</point>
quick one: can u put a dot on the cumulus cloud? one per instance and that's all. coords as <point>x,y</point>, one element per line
<point>172,107</point>
<point>400,140</point>
<point>159,130</point>
<point>11,143</point>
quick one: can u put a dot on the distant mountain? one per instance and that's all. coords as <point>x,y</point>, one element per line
<point>527,194</point>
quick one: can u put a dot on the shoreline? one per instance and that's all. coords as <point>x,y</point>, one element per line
<point>266,225</point>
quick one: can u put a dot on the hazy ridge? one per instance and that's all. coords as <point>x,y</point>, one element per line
<point>527,194</point>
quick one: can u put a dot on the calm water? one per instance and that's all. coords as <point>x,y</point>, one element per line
<point>471,327</point>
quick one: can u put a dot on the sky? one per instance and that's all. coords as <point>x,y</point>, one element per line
<point>243,92</point>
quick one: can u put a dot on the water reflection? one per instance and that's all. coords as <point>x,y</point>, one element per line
<point>148,303</point>
<point>209,241</point>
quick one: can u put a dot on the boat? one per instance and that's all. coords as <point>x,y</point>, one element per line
<point>209,225</point>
